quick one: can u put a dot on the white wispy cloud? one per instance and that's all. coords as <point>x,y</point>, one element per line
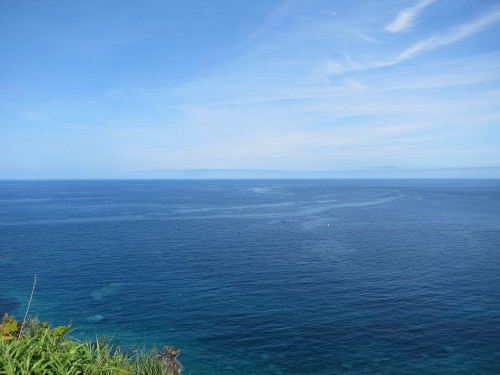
<point>454,73</point>
<point>457,34</point>
<point>437,40</point>
<point>347,87</point>
<point>406,17</point>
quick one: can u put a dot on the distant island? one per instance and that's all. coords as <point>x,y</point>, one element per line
<point>379,172</point>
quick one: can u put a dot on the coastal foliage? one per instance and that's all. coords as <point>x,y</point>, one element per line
<point>34,347</point>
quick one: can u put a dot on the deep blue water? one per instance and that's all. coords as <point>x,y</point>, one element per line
<point>246,277</point>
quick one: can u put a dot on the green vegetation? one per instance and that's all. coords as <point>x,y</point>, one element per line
<point>33,347</point>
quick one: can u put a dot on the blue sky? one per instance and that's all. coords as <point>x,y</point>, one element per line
<point>126,89</point>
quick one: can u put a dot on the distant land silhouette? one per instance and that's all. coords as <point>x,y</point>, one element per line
<point>382,172</point>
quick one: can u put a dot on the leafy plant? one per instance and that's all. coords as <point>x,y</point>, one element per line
<point>43,350</point>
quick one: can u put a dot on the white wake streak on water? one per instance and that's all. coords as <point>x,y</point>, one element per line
<point>298,209</point>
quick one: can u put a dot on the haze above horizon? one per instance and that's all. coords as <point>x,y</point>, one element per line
<point>383,88</point>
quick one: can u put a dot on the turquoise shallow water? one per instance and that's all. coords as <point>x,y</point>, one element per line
<point>246,277</point>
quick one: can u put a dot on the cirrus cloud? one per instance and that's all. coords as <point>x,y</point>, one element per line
<point>406,17</point>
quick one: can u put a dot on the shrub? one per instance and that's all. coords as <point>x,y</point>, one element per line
<point>33,347</point>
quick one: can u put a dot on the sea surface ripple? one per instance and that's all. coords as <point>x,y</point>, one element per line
<point>257,277</point>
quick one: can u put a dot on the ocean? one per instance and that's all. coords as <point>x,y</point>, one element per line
<point>316,277</point>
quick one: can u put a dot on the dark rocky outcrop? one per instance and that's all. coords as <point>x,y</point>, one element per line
<point>168,357</point>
